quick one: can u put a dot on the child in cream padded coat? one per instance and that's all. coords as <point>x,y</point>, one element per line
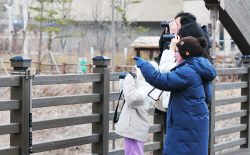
<point>133,123</point>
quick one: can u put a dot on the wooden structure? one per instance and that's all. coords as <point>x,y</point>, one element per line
<point>234,16</point>
<point>21,102</point>
<point>146,43</point>
<point>63,68</point>
<point>21,89</point>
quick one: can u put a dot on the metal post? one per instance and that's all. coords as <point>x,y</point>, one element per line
<point>23,116</point>
<point>212,117</point>
<point>124,58</point>
<point>113,58</point>
<point>25,14</point>
<point>11,26</point>
<point>214,15</point>
<point>102,107</point>
<point>246,105</point>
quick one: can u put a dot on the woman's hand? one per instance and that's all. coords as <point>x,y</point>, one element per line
<point>173,43</point>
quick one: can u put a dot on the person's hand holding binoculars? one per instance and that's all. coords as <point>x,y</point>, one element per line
<point>172,27</point>
<point>173,43</point>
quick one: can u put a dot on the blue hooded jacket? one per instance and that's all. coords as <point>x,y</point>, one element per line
<point>187,116</point>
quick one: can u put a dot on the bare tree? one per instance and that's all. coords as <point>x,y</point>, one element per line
<point>100,29</point>
<point>125,31</point>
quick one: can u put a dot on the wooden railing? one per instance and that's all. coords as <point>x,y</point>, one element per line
<point>21,103</point>
<point>243,127</point>
<point>62,67</point>
<point>64,70</point>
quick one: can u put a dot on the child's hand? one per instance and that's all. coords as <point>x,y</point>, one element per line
<point>173,43</point>
<point>128,74</point>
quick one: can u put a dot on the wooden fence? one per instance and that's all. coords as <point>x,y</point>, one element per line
<point>21,103</point>
<point>242,142</point>
<point>64,68</point>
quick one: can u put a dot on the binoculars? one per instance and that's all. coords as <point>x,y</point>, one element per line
<point>122,75</point>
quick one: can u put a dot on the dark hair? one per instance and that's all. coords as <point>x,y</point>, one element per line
<point>186,18</point>
<point>193,29</point>
<point>191,47</point>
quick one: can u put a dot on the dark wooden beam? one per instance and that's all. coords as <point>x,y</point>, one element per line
<point>234,17</point>
<point>233,27</point>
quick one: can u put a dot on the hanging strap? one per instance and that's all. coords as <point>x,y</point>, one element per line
<point>116,117</point>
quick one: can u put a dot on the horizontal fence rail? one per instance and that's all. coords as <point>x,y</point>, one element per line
<point>65,100</point>
<point>230,115</point>
<point>66,121</point>
<point>63,143</point>
<point>12,150</point>
<point>231,129</point>
<point>9,105</point>
<point>9,81</point>
<point>235,85</point>
<point>230,144</point>
<point>230,71</point>
<point>66,79</point>
<point>230,100</point>
<point>9,128</point>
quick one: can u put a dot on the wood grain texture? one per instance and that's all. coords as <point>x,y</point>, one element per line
<point>67,121</point>
<point>9,128</point>
<point>225,145</point>
<point>66,79</point>
<point>63,143</point>
<point>65,100</point>
<point>12,150</point>
<point>9,105</point>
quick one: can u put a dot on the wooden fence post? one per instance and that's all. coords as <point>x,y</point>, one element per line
<point>246,105</point>
<point>90,68</point>
<point>116,68</point>
<point>159,136</point>
<point>212,117</point>
<point>23,94</point>
<point>39,67</point>
<point>64,67</point>
<point>102,107</point>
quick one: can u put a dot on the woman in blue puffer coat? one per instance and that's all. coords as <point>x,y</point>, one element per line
<point>187,116</point>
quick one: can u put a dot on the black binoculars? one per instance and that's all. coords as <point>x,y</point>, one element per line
<point>122,75</point>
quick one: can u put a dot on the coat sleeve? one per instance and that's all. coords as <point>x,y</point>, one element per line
<point>176,80</point>
<point>167,61</point>
<point>132,96</point>
<point>208,91</point>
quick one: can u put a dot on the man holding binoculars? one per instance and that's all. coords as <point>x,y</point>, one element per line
<point>184,25</point>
